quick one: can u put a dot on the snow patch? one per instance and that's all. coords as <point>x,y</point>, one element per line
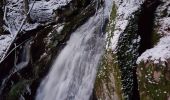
<point>125,11</point>
<point>60,28</point>
<point>5,40</point>
<point>160,52</point>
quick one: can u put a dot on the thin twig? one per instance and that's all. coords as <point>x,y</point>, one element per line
<point>22,24</point>
<point>14,49</point>
<point>5,14</point>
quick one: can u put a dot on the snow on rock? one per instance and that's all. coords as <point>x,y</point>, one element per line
<point>165,26</point>
<point>14,17</point>
<point>5,40</point>
<point>59,29</point>
<point>108,9</point>
<point>161,51</point>
<point>43,10</point>
<point>125,10</point>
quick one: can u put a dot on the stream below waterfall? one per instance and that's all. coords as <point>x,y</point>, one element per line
<point>73,73</point>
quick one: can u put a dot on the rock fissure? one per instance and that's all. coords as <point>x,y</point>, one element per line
<point>146,24</point>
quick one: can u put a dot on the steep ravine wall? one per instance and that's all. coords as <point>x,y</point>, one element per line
<point>117,78</point>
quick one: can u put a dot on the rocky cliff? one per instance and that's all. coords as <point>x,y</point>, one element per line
<point>135,64</point>
<point>136,61</point>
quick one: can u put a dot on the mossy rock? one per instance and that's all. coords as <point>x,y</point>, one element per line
<point>18,89</point>
<point>127,54</point>
<point>108,81</point>
<point>118,67</point>
<point>155,38</point>
<point>154,81</point>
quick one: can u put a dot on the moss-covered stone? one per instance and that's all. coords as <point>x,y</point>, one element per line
<point>18,89</point>
<point>155,37</point>
<point>154,83</point>
<point>108,80</point>
<point>127,53</point>
<point>116,76</point>
<point>111,25</point>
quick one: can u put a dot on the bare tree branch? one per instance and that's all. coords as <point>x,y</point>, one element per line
<point>22,24</point>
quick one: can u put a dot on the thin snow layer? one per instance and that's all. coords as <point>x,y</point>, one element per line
<point>41,12</point>
<point>164,29</point>
<point>124,13</point>
<point>45,9</point>
<point>15,15</point>
<point>161,52</point>
<point>108,9</point>
<point>4,41</point>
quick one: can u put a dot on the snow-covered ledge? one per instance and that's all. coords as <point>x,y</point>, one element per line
<point>161,50</point>
<point>154,64</point>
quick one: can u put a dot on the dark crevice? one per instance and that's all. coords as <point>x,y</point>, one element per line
<point>145,28</point>
<point>135,90</point>
<point>143,24</point>
<point>146,22</point>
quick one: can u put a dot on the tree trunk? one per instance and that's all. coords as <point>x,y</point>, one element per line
<point>26,6</point>
<point>1,16</point>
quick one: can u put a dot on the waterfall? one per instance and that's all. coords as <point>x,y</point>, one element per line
<point>73,73</point>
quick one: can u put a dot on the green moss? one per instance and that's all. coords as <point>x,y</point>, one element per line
<point>18,89</point>
<point>111,26</point>
<point>127,53</point>
<point>148,87</point>
<point>155,38</point>
<point>164,13</point>
<point>108,69</point>
<point>109,76</point>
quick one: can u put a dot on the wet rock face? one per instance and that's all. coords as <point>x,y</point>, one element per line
<point>44,45</point>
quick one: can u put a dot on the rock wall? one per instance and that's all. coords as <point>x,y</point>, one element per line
<point>136,62</point>
<point>116,79</point>
<point>153,64</point>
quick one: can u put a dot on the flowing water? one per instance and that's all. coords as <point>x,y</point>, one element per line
<point>73,73</point>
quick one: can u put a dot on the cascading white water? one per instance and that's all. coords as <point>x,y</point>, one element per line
<point>73,73</point>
